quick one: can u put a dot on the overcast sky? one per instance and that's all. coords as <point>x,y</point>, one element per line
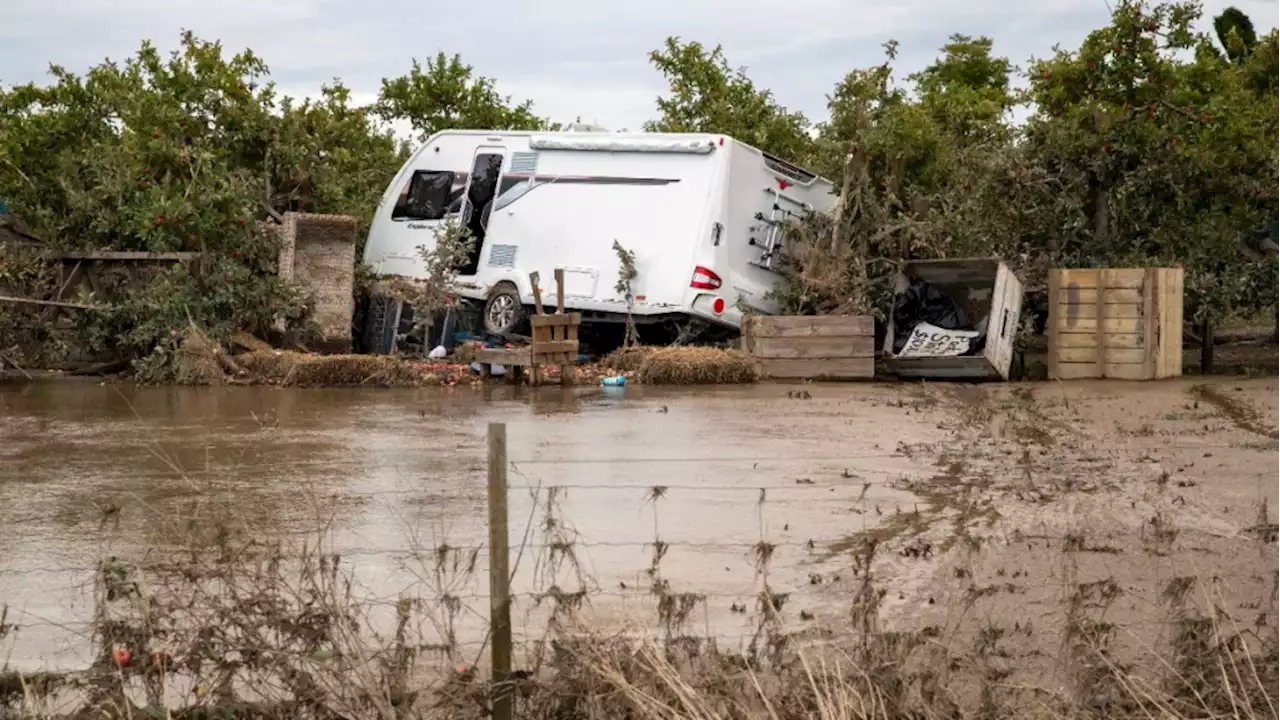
<point>572,59</point>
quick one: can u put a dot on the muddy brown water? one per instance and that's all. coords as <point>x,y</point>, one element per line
<point>90,470</point>
<point>995,506</point>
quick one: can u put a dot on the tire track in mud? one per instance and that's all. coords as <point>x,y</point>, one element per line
<point>1002,456</point>
<point>1240,412</point>
<point>966,489</point>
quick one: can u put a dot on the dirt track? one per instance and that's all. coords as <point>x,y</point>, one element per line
<point>990,505</point>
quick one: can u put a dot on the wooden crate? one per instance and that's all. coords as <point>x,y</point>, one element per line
<point>1115,323</point>
<point>992,297</point>
<point>555,338</point>
<point>554,342</point>
<point>838,347</point>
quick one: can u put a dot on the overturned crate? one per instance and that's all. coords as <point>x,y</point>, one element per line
<point>1122,323</point>
<point>554,342</point>
<point>832,347</point>
<point>989,296</point>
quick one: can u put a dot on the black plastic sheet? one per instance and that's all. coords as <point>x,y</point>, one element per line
<point>925,302</point>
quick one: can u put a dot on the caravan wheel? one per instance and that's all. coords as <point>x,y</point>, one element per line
<point>503,311</point>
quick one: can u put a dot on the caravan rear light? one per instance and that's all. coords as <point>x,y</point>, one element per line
<point>704,279</point>
<point>717,306</point>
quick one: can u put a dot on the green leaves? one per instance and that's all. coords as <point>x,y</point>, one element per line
<point>447,94</point>
<point>707,96</point>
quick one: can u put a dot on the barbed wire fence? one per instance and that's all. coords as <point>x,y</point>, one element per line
<point>554,567</point>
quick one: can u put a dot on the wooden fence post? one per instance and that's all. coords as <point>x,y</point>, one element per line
<point>499,572</point>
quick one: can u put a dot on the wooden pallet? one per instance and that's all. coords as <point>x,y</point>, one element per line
<point>555,341</point>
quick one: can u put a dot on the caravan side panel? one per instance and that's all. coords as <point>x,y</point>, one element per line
<point>583,201</point>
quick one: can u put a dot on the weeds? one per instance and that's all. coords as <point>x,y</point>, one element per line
<point>255,631</point>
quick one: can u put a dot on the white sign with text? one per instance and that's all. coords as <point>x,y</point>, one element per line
<point>932,341</point>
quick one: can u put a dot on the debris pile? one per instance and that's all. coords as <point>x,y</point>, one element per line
<point>683,365</point>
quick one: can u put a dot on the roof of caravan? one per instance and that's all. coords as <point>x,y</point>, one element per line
<point>577,134</point>
<point>575,140</point>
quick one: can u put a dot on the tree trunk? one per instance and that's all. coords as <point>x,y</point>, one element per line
<point>838,217</point>
<point>1101,216</point>
<point>1206,347</point>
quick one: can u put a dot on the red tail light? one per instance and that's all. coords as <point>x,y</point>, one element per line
<point>704,279</point>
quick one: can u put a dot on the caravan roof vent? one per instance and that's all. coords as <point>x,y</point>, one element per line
<point>561,141</point>
<point>584,127</point>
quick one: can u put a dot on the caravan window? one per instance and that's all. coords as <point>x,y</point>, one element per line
<point>426,196</point>
<point>512,189</point>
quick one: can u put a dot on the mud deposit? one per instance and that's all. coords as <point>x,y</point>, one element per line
<point>1004,506</point>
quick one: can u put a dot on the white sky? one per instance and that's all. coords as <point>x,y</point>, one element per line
<point>585,59</point>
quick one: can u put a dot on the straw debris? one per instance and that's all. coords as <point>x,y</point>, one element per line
<point>304,370</point>
<point>684,365</point>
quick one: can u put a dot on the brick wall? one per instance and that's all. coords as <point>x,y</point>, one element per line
<point>318,253</point>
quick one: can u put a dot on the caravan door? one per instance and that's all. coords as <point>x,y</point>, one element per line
<point>476,203</point>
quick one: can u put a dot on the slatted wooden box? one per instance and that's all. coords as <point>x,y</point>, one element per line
<point>555,338</point>
<point>836,347</point>
<point>992,297</point>
<point>1115,323</point>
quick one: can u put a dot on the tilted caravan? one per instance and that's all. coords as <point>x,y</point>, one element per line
<point>702,213</point>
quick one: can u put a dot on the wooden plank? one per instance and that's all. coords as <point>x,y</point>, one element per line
<point>1111,371</point>
<point>1122,278</point>
<point>969,367</point>
<point>1170,314</point>
<point>1006,314</point>
<point>554,346</point>
<point>1151,345</point>
<point>503,356</point>
<point>1055,312</point>
<point>1111,325</point>
<point>559,291</point>
<point>1100,330</point>
<point>565,320</point>
<point>1090,355</point>
<point>813,348</point>
<point>796,326</point>
<point>1089,339</point>
<point>1089,295</point>
<point>1126,371</point>
<point>952,271</point>
<point>832,368</point>
<point>537,293</point>
<point>1110,311</point>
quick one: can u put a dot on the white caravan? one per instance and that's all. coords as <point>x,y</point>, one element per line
<point>701,212</point>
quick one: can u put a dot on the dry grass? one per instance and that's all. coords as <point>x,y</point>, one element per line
<point>683,365</point>
<point>627,359</point>
<point>197,362</point>
<point>254,630</point>
<point>296,369</point>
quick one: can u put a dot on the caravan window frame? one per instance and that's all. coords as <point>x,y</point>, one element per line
<point>401,211</point>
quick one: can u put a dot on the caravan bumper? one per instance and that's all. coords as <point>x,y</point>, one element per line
<point>717,309</point>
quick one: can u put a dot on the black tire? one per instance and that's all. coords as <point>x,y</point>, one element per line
<point>381,324</point>
<point>503,311</point>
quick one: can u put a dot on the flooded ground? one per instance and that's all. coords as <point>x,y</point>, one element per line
<point>997,501</point>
